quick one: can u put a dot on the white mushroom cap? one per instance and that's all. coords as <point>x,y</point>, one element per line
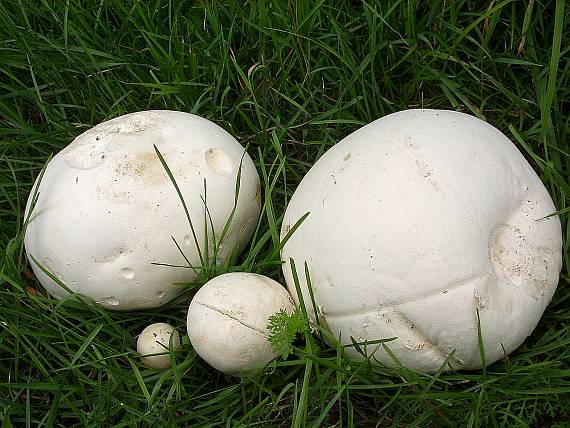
<point>107,209</point>
<point>416,221</point>
<point>158,338</point>
<point>228,318</point>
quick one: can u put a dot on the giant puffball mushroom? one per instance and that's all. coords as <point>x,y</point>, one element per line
<point>155,343</point>
<point>228,317</point>
<point>417,223</point>
<point>107,211</point>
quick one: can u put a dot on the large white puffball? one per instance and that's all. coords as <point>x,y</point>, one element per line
<point>159,338</point>
<point>417,221</point>
<point>228,318</point>
<point>107,210</point>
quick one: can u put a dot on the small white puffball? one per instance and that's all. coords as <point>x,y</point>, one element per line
<point>107,211</point>
<point>228,318</point>
<point>417,221</point>
<point>158,338</point>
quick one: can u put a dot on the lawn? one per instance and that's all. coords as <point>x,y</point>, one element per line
<point>288,79</point>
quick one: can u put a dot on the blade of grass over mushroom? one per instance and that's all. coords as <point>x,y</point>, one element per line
<point>182,201</point>
<point>481,345</point>
<point>311,294</point>
<point>288,235</point>
<point>51,275</point>
<point>556,213</point>
<point>236,198</point>
<point>194,269</point>
<point>355,344</point>
<point>208,223</point>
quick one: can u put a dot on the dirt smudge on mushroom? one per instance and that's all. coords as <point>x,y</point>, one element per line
<point>112,255</point>
<point>145,167</point>
<point>424,170</point>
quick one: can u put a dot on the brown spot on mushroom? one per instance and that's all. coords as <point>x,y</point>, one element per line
<point>145,167</point>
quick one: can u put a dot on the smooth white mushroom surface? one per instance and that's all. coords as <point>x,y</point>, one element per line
<point>417,221</point>
<point>158,338</point>
<point>228,318</point>
<point>107,210</point>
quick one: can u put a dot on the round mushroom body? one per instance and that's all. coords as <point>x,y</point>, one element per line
<point>228,318</point>
<point>418,222</point>
<point>107,212</point>
<point>158,338</point>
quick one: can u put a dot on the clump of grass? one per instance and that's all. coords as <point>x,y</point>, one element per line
<point>288,79</point>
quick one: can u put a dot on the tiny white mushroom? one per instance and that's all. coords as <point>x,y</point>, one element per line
<point>228,318</point>
<point>158,338</point>
<point>107,210</point>
<point>417,221</point>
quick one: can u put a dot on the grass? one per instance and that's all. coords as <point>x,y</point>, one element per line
<point>288,79</point>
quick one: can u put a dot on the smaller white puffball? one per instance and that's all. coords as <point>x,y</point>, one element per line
<point>156,339</point>
<point>228,317</point>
